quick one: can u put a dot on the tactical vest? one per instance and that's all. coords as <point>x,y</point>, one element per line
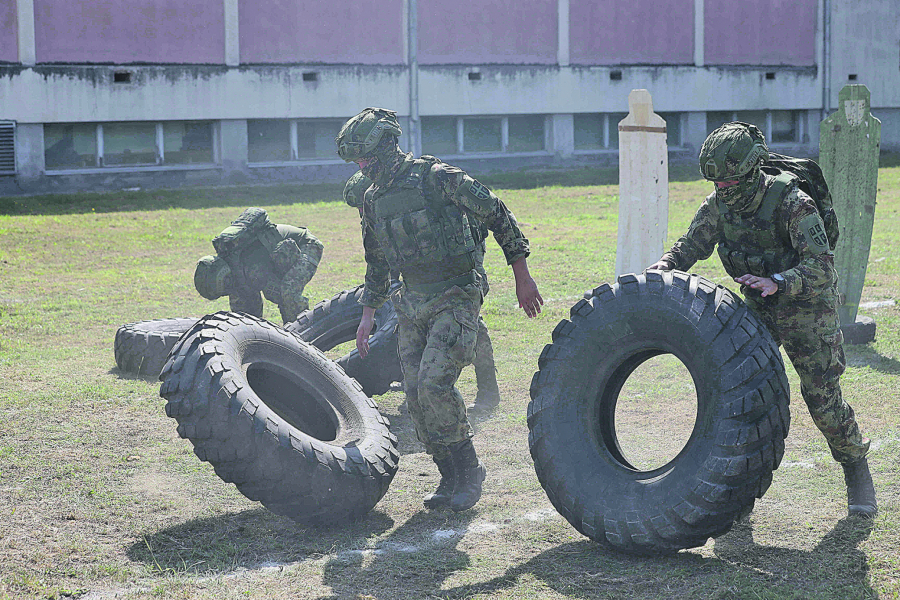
<point>757,244</point>
<point>246,245</point>
<point>415,227</point>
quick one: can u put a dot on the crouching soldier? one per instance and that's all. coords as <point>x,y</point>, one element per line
<point>773,241</point>
<point>253,256</point>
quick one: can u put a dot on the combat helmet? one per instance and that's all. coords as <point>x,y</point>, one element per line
<point>360,135</point>
<point>212,277</point>
<point>734,152</point>
<point>355,189</point>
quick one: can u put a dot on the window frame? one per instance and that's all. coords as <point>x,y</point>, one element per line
<point>504,151</point>
<point>159,165</point>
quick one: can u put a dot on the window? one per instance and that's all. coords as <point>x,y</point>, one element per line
<point>597,131</point>
<point>129,144</point>
<point>673,129</point>
<point>482,135</point>
<point>779,126</point>
<point>443,136</point>
<point>268,140</point>
<point>439,136</point>
<point>526,133</point>
<point>188,142</point>
<point>137,144</point>
<point>70,146</point>
<point>315,138</point>
<point>283,140</point>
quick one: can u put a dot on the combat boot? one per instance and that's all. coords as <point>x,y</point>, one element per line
<point>441,496</point>
<point>860,489</point>
<point>470,474</point>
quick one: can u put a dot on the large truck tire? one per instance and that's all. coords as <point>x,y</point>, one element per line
<point>142,347</point>
<point>278,419</point>
<point>334,321</point>
<point>738,435</point>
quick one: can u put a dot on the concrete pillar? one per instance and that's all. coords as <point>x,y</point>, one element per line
<point>562,33</point>
<point>643,186</point>
<point>562,135</point>
<point>234,148</point>
<point>25,20</point>
<point>694,132</point>
<point>232,34</point>
<point>29,152</point>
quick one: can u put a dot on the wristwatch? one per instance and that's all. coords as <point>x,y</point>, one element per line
<point>778,278</point>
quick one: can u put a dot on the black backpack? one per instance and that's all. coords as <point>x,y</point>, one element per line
<point>812,181</point>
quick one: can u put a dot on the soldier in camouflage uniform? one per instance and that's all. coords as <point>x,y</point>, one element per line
<point>487,397</point>
<point>772,240</point>
<point>417,215</point>
<point>253,256</point>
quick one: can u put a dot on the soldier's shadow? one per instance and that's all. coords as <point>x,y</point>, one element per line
<point>864,355</point>
<point>585,569</point>
<point>415,560</point>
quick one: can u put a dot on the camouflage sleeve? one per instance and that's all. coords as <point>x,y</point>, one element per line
<point>378,281</point>
<point>464,191</point>
<point>308,244</point>
<point>815,273</point>
<point>699,241</point>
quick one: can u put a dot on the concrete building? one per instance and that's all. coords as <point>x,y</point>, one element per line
<point>98,95</point>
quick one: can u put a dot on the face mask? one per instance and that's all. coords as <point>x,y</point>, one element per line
<point>740,195</point>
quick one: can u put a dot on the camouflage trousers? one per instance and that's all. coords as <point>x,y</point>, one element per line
<point>286,292</point>
<point>437,338</point>
<point>485,370</point>
<point>811,334</point>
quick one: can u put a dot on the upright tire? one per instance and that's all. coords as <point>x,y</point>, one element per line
<point>334,321</point>
<point>278,419</point>
<point>738,436</point>
<point>143,347</point>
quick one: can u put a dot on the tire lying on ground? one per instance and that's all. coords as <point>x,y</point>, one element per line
<point>738,435</point>
<point>334,321</point>
<point>278,419</point>
<point>143,347</point>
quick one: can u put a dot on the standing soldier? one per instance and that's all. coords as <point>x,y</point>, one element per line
<point>253,256</point>
<point>417,215</point>
<point>487,397</point>
<point>772,240</point>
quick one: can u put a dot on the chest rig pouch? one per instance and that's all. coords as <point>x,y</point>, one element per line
<point>758,244</point>
<point>415,227</point>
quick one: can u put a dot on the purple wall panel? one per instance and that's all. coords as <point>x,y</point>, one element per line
<point>285,31</point>
<point>9,35</point>
<point>766,32</point>
<point>487,31</point>
<point>158,31</point>
<point>635,32</point>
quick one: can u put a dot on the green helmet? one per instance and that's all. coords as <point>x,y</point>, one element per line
<point>212,277</point>
<point>360,135</point>
<point>355,189</point>
<point>732,151</point>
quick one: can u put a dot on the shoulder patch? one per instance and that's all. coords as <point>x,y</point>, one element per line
<point>812,228</point>
<point>479,191</point>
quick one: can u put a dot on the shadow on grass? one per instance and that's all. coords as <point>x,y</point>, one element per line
<point>864,355</point>
<point>248,539</point>
<point>835,568</point>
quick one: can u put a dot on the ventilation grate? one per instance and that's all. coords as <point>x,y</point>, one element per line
<point>7,148</point>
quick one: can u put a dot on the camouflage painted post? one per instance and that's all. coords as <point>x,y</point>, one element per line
<point>643,185</point>
<point>848,155</point>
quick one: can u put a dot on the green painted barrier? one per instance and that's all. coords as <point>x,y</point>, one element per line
<point>848,154</point>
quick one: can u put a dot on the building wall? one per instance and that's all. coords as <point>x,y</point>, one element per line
<point>9,39</point>
<point>611,32</point>
<point>487,32</point>
<point>764,32</point>
<point>145,31</point>
<point>368,32</point>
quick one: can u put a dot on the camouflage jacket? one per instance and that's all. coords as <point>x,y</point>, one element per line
<point>456,186</point>
<point>812,276</point>
<point>259,267</point>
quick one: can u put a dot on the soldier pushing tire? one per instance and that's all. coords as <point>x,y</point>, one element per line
<point>738,436</point>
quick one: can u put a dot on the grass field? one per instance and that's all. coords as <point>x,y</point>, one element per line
<point>100,498</point>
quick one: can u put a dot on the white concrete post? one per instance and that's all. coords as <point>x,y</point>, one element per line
<point>643,186</point>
